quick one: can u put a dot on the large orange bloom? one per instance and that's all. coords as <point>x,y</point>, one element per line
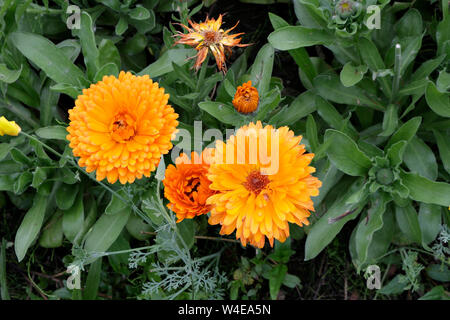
<point>186,186</point>
<point>246,98</point>
<point>255,197</point>
<point>209,35</point>
<point>120,127</point>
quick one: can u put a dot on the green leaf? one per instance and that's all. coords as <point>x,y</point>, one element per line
<point>328,226</point>
<point>48,57</point>
<point>395,286</point>
<point>261,70</point>
<point>184,76</point>
<point>139,13</point>
<point>443,81</point>
<point>369,225</point>
<point>311,133</point>
<point>331,116</point>
<point>66,88</point>
<point>52,234</point>
<point>22,183</point>
<point>121,26</point>
<point>9,76</point>
<point>136,227</point>
<point>438,102</point>
<point>88,45</point>
<point>443,143</point>
<point>390,120</point>
<point>303,105</point>
<point>429,221</point>
<point>427,68</point>
<point>276,278</point>
<point>107,70</point>
<point>105,231</point>
<point>419,158</point>
<point>93,280</point>
<point>293,37</point>
<point>73,219</point>
<point>424,190</point>
<point>222,112</point>
<point>52,132</point>
<point>437,293</point>
<point>39,176</point>
<point>410,25</point>
<point>20,158</point>
<point>329,175</point>
<point>108,53</point>
<point>117,205</point>
<point>438,272</point>
<point>65,195</point>
<point>186,228</point>
<point>5,148</point>
<point>330,88</point>
<point>395,153</point>
<point>406,132</point>
<point>345,154</point>
<point>351,75</point>
<point>164,64</point>
<point>30,226</point>
<point>408,222</point>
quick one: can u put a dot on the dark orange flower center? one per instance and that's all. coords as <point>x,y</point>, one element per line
<point>256,182</point>
<point>212,37</point>
<point>191,188</point>
<point>122,127</point>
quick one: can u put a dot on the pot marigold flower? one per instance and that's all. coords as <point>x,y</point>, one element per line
<point>10,128</point>
<point>121,126</point>
<point>246,98</point>
<point>253,200</point>
<point>208,35</point>
<point>186,185</point>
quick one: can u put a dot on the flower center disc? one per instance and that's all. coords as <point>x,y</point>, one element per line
<point>122,127</point>
<point>211,37</point>
<point>256,182</point>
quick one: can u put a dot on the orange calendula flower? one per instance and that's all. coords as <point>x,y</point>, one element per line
<point>120,127</point>
<point>208,35</point>
<point>259,193</point>
<point>186,185</point>
<point>246,98</point>
<point>10,128</point>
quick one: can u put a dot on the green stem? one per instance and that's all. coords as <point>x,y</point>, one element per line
<point>396,80</point>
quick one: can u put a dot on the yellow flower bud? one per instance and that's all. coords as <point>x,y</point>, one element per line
<point>8,127</point>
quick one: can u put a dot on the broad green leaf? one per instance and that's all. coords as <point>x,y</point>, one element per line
<point>330,88</point>
<point>52,234</point>
<point>276,278</point>
<point>300,55</point>
<point>409,49</point>
<point>429,221</point>
<point>186,229</point>
<point>121,26</point>
<point>395,286</point>
<point>390,120</point>
<point>406,132</point>
<point>408,222</point>
<point>369,225</point>
<point>438,102</point>
<point>164,64</point>
<point>49,101</point>
<point>108,53</point>
<point>328,226</point>
<point>443,142</point>
<point>437,293</point>
<point>346,155</point>
<point>303,105</point>
<point>427,68</point>
<point>30,226</point>
<point>261,70</point>
<point>137,228</point>
<point>438,272</point>
<point>65,195</point>
<point>109,69</point>
<point>49,58</point>
<point>222,112</point>
<point>7,75</point>
<point>52,132</point>
<point>20,158</point>
<point>329,175</point>
<point>410,25</point>
<point>139,13</point>
<point>309,14</point>
<point>395,153</point>
<point>67,88</point>
<point>104,232</point>
<point>417,87</point>
<point>419,158</point>
<point>22,183</point>
<point>39,176</point>
<point>293,37</point>
<point>370,55</point>
<point>93,280</point>
<point>351,74</point>
<point>427,191</point>
<point>116,205</point>
<point>73,218</point>
<point>443,81</point>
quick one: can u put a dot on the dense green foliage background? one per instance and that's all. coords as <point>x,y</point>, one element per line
<point>372,104</point>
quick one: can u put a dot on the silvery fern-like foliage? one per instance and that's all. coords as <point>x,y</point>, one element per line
<point>440,248</point>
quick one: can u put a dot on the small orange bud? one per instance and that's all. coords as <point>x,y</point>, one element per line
<point>246,98</point>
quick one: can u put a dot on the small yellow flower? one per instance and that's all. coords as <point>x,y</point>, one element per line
<point>209,35</point>
<point>8,127</point>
